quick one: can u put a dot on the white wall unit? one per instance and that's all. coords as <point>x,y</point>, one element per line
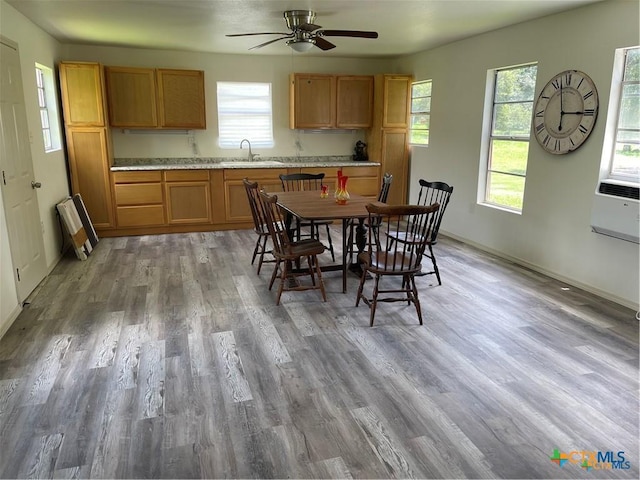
<point>616,211</point>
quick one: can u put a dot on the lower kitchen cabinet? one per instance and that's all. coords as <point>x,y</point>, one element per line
<point>188,197</point>
<point>236,203</point>
<point>139,199</point>
<point>363,181</point>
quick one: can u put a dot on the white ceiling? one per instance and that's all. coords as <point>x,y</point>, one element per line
<point>404,26</point>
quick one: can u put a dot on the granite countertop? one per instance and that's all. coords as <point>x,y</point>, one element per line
<point>202,163</point>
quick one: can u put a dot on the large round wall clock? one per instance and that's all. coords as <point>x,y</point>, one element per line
<point>565,112</point>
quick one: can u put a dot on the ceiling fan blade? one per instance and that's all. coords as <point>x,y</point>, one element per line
<point>347,33</point>
<point>309,27</point>
<point>323,44</point>
<point>270,41</point>
<point>261,33</point>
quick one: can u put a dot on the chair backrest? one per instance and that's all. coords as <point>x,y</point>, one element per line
<point>275,222</point>
<point>301,181</point>
<point>435,192</point>
<point>402,235</point>
<point>384,188</point>
<point>254,203</point>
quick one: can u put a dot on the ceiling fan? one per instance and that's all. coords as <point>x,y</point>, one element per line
<point>304,34</point>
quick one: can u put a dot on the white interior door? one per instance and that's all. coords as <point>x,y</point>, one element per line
<point>18,182</point>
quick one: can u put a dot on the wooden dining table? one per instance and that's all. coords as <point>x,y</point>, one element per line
<point>309,206</point>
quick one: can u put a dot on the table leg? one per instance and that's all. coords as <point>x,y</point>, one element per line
<point>344,255</point>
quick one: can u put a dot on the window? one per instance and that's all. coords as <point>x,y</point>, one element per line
<point>244,111</point>
<point>508,143</point>
<point>48,108</point>
<point>625,162</point>
<point>420,112</point>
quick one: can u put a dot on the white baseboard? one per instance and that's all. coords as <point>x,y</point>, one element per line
<point>7,322</point>
<point>537,268</point>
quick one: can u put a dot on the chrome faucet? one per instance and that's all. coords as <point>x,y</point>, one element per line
<point>251,155</point>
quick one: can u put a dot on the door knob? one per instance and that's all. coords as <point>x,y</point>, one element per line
<point>35,184</point>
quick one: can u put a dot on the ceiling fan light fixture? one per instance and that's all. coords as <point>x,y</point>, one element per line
<point>301,45</point>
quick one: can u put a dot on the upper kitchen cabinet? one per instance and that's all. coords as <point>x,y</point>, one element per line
<point>181,99</point>
<point>396,101</point>
<point>320,101</point>
<point>155,98</point>
<point>354,104</point>
<point>82,94</point>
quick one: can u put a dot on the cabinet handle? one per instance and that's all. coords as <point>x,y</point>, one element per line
<point>35,184</point>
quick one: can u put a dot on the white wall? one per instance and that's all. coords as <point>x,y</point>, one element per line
<point>34,46</point>
<point>218,67</point>
<point>553,233</point>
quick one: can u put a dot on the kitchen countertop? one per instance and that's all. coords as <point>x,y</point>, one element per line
<point>135,164</point>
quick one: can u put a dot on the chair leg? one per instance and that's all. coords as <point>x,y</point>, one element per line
<point>263,250</point>
<point>256,249</point>
<point>416,301</point>
<point>435,265</point>
<point>349,242</point>
<point>407,286</point>
<point>275,273</point>
<point>283,279</point>
<point>374,301</point>
<point>360,287</point>
<point>311,274</point>
<point>320,281</point>
<point>333,256</point>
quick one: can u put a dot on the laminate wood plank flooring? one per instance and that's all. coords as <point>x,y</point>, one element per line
<point>166,357</point>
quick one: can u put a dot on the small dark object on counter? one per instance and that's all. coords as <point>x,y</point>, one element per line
<point>361,152</point>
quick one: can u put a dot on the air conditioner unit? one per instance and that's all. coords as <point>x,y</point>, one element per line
<point>616,210</point>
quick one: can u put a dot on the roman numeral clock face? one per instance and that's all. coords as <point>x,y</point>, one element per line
<point>565,112</point>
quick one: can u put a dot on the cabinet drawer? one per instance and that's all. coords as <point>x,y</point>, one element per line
<point>142,216</point>
<point>186,175</point>
<point>138,193</point>
<point>137,177</point>
<point>252,173</point>
<point>360,171</point>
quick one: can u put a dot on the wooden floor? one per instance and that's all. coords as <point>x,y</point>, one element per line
<point>165,356</point>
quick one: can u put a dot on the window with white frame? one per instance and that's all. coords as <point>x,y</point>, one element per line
<point>508,142</point>
<point>625,158</point>
<point>420,113</point>
<point>245,111</point>
<point>48,108</point>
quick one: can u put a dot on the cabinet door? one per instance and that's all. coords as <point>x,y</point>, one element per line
<point>313,101</point>
<point>89,165</point>
<point>188,202</point>
<point>131,94</point>
<point>235,196</point>
<point>397,98</point>
<point>395,161</point>
<point>354,104</point>
<point>181,99</point>
<point>82,89</point>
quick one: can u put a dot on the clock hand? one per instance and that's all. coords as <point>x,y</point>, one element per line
<point>561,108</point>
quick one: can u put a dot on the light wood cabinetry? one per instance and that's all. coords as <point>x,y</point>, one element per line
<point>320,101</point>
<point>88,139</point>
<point>354,101</point>
<point>181,99</point>
<point>235,197</point>
<point>139,199</point>
<point>363,180</point>
<point>388,137</point>
<point>188,195</point>
<point>155,98</point>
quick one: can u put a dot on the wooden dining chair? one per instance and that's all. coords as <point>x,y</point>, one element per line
<point>259,224</point>
<point>353,223</point>
<point>397,255</point>
<point>434,192</point>
<point>294,182</point>
<point>287,252</point>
